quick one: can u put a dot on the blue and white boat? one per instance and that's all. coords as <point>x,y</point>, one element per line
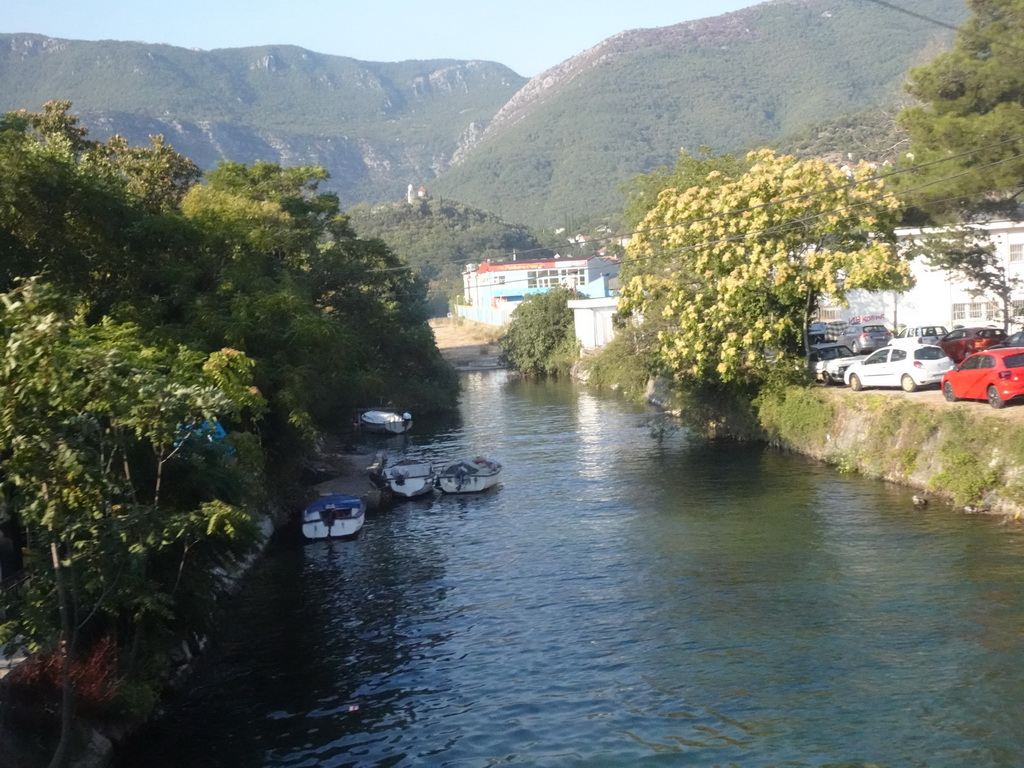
<point>333,516</point>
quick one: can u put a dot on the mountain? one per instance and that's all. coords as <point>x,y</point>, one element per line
<point>377,127</point>
<point>543,151</point>
<point>564,144</point>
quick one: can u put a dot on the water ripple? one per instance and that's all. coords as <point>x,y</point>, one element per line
<point>628,598</point>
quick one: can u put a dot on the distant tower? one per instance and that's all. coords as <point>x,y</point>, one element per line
<point>408,195</point>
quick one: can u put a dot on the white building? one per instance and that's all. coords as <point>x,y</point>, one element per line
<point>938,298</point>
<point>593,321</point>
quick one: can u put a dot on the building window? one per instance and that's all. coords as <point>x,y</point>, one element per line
<point>976,311</point>
<point>1016,252</point>
<point>552,278</point>
<point>1017,308</point>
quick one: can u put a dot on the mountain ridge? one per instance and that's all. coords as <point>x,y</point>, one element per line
<point>540,150</point>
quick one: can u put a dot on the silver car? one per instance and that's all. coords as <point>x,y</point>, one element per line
<point>865,337</point>
<point>907,367</point>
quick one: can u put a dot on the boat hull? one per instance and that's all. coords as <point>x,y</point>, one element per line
<point>470,475</point>
<point>409,479</point>
<point>384,422</point>
<point>334,516</point>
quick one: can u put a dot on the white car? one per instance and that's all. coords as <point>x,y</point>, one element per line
<point>913,335</point>
<point>830,361</point>
<point>907,367</point>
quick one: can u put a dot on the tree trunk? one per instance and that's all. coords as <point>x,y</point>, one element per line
<point>67,692</point>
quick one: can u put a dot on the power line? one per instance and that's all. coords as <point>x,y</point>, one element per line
<point>884,4</point>
<point>946,25</point>
<point>914,14</point>
<point>803,195</point>
<point>784,225</point>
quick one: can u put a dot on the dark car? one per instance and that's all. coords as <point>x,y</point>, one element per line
<point>1013,340</point>
<point>961,342</point>
<point>817,333</point>
<point>996,375</point>
<point>865,337</point>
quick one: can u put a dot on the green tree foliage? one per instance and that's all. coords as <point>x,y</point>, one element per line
<point>438,238</point>
<point>92,420</point>
<point>541,338</point>
<point>161,304</point>
<point>342,319</point>
<point>258,259</point>
<point>971,117</point>
<point>730,272</point>
<point>642,192</point>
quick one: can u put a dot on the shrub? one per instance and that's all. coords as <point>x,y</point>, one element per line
<point>541,339</point>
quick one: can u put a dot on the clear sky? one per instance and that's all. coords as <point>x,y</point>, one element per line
<point>527,35</point>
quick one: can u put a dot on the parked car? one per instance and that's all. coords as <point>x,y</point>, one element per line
<point>907,367</point>
<point>996,375</point>
<point>918,334</point>
<point>961,342</point>
<point>816,333</point>
<point>865,337</point>
<point>834,329</point>
<point>1013,340</point>
<point>829,362</point>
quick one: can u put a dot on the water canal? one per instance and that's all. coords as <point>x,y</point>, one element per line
<point>629,597</point>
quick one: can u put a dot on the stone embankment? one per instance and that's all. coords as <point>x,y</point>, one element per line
<point>965,454</point>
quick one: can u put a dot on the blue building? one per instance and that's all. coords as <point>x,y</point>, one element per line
<point>496,288</point>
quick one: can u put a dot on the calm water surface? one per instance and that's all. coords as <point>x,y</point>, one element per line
<point>628,597</point>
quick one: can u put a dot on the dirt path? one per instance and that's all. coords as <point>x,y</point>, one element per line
<point>467,345</point>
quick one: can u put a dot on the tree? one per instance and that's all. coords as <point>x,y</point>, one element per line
<point>972,115</point>
<point>541,337</point>
<point>332,320</point>
<point>732,271</point>
<point>91,419</point>
<point>642,192</point>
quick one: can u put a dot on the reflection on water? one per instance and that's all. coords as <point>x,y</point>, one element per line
<point>627,597</point>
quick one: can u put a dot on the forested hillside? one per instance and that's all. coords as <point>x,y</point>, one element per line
<point>438,237</point>
<point>543,152</point>
<point>573,135</point>
<point>376,127</point>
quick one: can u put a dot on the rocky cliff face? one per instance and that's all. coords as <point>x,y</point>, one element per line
<point>376,127</point>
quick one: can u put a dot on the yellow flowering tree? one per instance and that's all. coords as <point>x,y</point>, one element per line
<point>730,272</point>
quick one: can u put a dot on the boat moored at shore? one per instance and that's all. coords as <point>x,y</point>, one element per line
<point>385,422</point>
<point>469,475</point>
<point>333,516</point>
<point>410,478</point>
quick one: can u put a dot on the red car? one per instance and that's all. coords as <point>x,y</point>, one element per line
<point>959,343</point>
<point>996,375</point>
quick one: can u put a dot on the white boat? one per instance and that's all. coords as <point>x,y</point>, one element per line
<point>469,475</point>
<point>410,477</point>
<point>385,421</point>
<point>333,516</point>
